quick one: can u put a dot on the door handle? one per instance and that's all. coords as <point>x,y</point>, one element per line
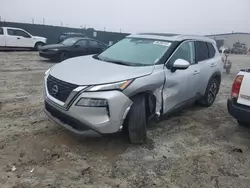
<point>196,72</point>
<point>18,38</point>
<point>213,65</point>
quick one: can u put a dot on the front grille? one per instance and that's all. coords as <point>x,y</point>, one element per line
<point>74,123</point>
<point>59,89</point>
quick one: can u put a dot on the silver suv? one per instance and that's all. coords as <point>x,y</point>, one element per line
<point>140,77</point>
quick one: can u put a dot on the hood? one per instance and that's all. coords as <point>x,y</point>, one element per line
<point>52,46</point>
<point>39,38</point>
<point>86,70</point>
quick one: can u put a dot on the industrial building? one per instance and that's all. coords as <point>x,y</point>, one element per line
<point>229,39</point>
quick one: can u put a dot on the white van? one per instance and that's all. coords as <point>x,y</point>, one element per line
<point>18,38</point>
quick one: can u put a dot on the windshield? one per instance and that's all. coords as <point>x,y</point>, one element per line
<point>69,41</point>
<point>136,51</point>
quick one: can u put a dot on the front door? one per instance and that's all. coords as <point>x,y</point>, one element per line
<point>181,85</point>
<point>80,48</point>
<point>18,38</point>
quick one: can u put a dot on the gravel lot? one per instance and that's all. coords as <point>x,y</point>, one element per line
<point>199,147</point>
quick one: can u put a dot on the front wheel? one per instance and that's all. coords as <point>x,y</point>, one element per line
<point>38,45</point>
<point>136,121</point>
<point>211,93</point>
<point>64,56</point>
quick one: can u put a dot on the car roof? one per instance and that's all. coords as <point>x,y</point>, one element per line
<point>79,38</point>
<point>71,33</point>
<point>171,37</point>
<point>11,28</point>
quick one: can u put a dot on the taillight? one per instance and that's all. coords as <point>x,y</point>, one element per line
<point>236,86</point>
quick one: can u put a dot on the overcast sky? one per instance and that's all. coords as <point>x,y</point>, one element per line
<point>178,16</point>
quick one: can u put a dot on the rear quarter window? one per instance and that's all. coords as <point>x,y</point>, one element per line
<point>1,31</point>
<point>202,52</point>
<point>211,50</point>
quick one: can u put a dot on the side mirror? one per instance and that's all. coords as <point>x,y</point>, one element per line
<point>77,46</point>
<point>181,64</point>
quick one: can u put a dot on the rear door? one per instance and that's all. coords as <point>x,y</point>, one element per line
<point>19,38</point>
<point>2,38</point>
<point>206,62</point>
<point>181,85</point>
<point>95,47</point>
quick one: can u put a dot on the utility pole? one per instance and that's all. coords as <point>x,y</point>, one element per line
<point>33,21</point>
<point>43,21</point>
<point>104,29</point>
<point>61,24</point>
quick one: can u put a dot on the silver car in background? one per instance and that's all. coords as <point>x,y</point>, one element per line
<point>141,77</point>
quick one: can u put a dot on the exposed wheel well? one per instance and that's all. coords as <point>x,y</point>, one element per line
<point>150,101</point>
<point>39,42</point>
<point>150,105</point>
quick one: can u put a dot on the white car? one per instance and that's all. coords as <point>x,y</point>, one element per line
<point>18,38</point>
<point>239,103</point>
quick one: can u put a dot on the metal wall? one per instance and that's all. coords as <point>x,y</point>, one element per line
<point>52,33</point>
<point>231,38</point>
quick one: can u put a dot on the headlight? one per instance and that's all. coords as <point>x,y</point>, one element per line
<point>92,102</point>
<point>54,49</point>
<point>114,86</point>
<point>47,71</point>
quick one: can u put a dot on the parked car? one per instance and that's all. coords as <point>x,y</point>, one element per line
<point>72,47</point>
<point>64,36</point>
<point>139,78</point>
<point>239,103</point>
<point>18,38</point>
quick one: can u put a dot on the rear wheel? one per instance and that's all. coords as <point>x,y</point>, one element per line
<point>64,56</point>
<point>211,93</point>
<point>137,121</point>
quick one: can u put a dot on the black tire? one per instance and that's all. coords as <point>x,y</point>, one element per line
<point>64,56</point>
<point>137,121</point>
<point>211,93</point>
<point>38,45</point>
<point>243,123</point>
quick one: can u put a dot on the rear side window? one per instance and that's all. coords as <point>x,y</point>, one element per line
<point>211,50</point>
<point>83,43</point>
<point>93,43</point>
<point>201,51</point>
<point>1,31</point>
<point>10,31</point>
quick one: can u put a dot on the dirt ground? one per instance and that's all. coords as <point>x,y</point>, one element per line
<point>199,147</point>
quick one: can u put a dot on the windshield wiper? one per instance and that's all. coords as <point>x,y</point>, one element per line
<point>120,62</point>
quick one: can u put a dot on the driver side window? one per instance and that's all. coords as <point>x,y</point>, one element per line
<point>186,51</point>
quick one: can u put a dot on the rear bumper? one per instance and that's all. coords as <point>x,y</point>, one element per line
<point>49,55</point>
<point>238,111</point>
